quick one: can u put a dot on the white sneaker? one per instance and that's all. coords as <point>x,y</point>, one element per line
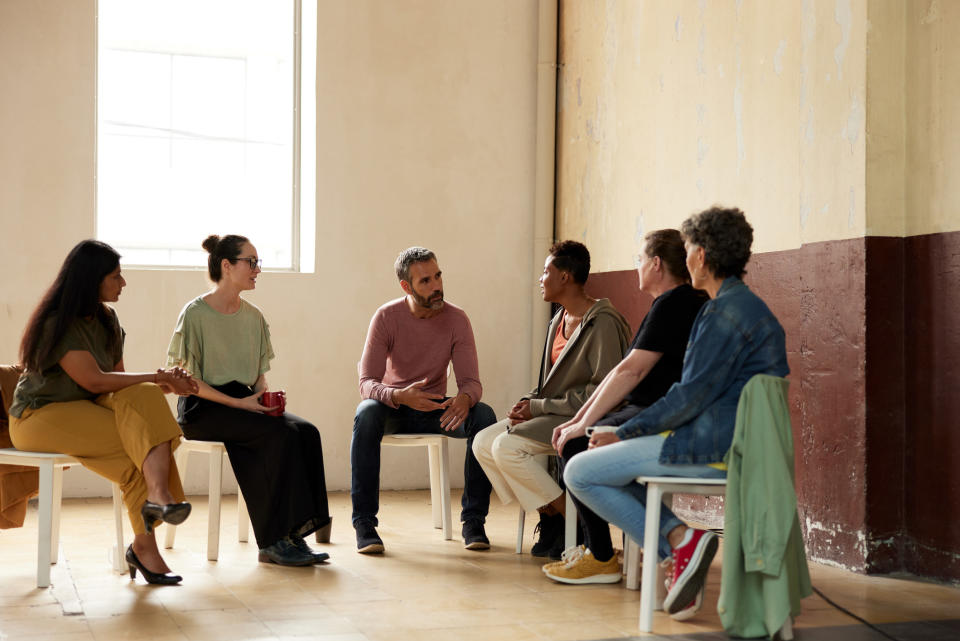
<point>568,555</point>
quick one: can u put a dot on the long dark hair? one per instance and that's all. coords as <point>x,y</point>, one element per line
<point>75,293</point>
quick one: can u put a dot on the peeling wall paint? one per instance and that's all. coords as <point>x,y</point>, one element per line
<point>843,16</point>
<point>778,57</point>
<point>719,103</point>
<point>836,126</point>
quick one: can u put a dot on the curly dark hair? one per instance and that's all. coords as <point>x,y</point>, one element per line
<point>725,236</point>
<point>573,257</point>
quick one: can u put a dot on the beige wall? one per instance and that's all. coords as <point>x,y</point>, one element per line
<point>932,116</point>
<point>794,111</point>
<point>427,129</point>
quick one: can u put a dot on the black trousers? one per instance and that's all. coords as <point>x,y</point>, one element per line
<point>596,531</point>
<point>278,462</point>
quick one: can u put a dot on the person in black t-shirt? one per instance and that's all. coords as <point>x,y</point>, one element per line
<point>652,364</point>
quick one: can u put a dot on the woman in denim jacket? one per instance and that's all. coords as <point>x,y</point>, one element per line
<point>689,430</point>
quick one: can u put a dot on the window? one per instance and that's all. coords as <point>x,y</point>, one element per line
<point>206,125</point>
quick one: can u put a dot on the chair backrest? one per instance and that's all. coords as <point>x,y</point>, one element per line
<point>9,374</point>
<point>18,482</point>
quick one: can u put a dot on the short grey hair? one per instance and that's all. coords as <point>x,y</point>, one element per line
<point>410,256</point>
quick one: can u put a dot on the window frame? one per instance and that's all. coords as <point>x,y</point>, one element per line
<point>304,146</point>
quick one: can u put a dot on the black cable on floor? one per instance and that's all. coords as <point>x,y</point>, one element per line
<point>851,614</point>
<point>719,532</point>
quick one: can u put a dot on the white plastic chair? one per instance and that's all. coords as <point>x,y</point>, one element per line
<point>216,451</point>
<point>658,487</point>
<point>439,457</point>
<point>50,468</point>
<point>651,595</point>
<point>569,525</point>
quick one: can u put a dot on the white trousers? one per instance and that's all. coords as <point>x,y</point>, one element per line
<point>511,464</point>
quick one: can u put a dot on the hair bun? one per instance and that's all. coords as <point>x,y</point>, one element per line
<point>211,242</point>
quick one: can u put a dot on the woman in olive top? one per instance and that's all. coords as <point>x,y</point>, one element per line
<point>75,398</point>
<point>224,341</point>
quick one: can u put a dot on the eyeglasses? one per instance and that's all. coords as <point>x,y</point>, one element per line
<point>253,261</point>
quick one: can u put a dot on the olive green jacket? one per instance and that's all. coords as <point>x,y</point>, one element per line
<point>764,565</point>
<point>595,347</point>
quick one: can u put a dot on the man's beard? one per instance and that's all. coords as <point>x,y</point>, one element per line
<point>435,301</point>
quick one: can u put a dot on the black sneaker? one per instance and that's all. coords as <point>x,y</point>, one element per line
<point>550,543</point>
<point>368,541</point>
<point>474,538</point>
<point>318,557</point>
<point>285,552</point>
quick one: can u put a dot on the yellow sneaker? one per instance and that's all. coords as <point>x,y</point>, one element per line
<point>586,569</point>
<point>568,555</point>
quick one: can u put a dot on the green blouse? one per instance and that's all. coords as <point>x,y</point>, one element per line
<point>52,384</point>
<point>218,348</point>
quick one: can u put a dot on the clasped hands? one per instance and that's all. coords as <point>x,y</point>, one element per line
<point>176,380</point>
<point>413,396</point>
<point>520,412</point>
<point>573,428</point>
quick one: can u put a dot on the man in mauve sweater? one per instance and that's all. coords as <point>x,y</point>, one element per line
<point>403,377</point>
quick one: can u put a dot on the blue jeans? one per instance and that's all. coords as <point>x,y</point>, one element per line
<point>603,478</point>
<point>374,419</point>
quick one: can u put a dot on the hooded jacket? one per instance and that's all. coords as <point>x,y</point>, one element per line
<point>595,347</point>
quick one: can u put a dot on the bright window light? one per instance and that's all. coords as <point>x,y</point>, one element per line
<point>202,130</point>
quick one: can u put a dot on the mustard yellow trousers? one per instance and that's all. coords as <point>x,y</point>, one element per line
<point>110,435</point>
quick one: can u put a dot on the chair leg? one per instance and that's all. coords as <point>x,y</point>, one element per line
<point>436,503</point>
<point>214,492</point>
<point>445,489</point>
<point>243,518</point>
<point>569,523</point>
<point>45,518</point>
<point>181,459</point>
<point>651,535</point>
<point>520,522</point>
<point>55,514</point>
<point>117,558</point>
<point>631,563</point>
<point>786,631</point>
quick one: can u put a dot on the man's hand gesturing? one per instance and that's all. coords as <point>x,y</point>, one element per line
<point>414,397</point>
<point>458,408</point>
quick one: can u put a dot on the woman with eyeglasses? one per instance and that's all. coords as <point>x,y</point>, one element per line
<point>75,397</point>
<point>224,342</point>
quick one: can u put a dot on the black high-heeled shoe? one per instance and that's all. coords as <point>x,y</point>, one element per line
<point>172,513</point>
<point>153,578</point>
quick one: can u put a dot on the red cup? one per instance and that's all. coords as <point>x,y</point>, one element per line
<point>277,400</point>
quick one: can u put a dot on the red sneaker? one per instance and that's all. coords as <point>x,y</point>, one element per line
<point>690,565</point>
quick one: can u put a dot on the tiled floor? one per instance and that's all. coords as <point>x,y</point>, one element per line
<point>424,588</point>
